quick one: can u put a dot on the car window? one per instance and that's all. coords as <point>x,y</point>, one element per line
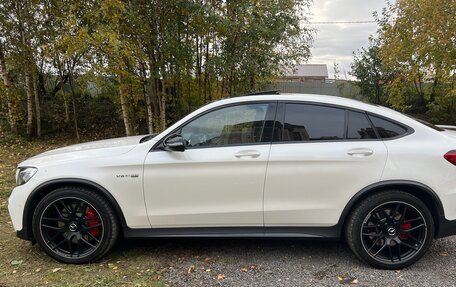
<point>359,126</point>
<point>235,125</point>
<point>387,129</point>
<point>310,122</point>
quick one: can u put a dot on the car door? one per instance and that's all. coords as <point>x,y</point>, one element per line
<point>320,157</point>
<point>219,179</point>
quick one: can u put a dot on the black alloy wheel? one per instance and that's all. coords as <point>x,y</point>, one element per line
<point>71,227</point>
<point>74,225</point>
<point>390,229</point>
<point>393,231</point>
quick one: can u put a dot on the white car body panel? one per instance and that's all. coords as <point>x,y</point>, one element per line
<point>331,176</point>
<point>206,187</point>
<point>210,187</point>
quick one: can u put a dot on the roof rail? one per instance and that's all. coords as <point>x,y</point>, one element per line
<point>269,92</point>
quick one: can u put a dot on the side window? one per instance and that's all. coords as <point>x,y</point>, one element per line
<point>241,124</point>
<point>387,129</point>
<point>359,126</point>
<point>310,122</point>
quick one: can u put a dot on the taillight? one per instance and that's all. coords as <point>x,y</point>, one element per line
<point>451,156</point>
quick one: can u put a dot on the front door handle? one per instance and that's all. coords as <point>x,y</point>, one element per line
<point>247,154</point>
<point>360,152</point>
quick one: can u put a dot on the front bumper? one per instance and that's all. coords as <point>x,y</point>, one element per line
<point>16,204</point>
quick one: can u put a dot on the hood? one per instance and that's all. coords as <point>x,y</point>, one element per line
<point>102,148</point>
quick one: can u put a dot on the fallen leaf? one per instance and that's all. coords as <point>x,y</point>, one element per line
<point>115,268</point>
<point>17,262</point>
<point>56,269</point>
<point>191,269</point>
<point>14,271</point>
<point>348,280</point>
<point>208,270</point>
<point>244,269</point>
<point>38,270</point>
<point>443,253</point>
<point>220,276</point>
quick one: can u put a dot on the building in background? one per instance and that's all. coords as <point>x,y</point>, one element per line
<point>305,73</point>
<point>313,79</point>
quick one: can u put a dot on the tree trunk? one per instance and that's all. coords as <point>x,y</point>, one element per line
<point>7,83</point>
<point>154,81</point>
<point>75,114</point>
<point>37,108</point>
<point>123,91</point>
<point>28,81</point>
<point>67,112</point>
<point>162,104</point>
<point>150,114</point>
<point>29,92</point>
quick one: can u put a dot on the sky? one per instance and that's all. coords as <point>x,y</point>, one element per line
<point>336,42</point>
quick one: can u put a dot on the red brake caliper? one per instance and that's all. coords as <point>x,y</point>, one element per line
<point>404,226</point>
<point>92,221</point>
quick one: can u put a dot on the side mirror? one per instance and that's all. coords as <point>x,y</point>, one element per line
<point>174,142</point>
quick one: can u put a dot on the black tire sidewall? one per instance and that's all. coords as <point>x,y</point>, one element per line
<point>366,206</point>
<point>80,193</point>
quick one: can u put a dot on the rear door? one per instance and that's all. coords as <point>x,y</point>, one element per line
<point>320,157</point>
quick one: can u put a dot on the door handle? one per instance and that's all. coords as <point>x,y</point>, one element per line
<point>360,152</point>
<point>246,154</point>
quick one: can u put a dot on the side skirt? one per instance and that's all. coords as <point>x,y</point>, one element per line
<point>333,232</point>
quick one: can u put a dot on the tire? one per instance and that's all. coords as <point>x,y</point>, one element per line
<point>390,229</point>
<point>75,225</point>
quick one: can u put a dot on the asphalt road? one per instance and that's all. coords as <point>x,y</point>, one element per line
<point>249,262</point>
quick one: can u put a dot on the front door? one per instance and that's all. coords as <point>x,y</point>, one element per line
<point>219,179</point>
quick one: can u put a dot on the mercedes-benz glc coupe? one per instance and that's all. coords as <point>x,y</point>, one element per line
<point>289,165</point>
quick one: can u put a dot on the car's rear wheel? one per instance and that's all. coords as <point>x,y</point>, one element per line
<point>74,225</point>
<point>390,230</point>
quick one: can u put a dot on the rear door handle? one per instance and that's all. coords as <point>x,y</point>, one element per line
<point>360,152</point>
<point>246,154</point>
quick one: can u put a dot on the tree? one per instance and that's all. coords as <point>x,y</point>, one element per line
<point>157,59</point>
<point>418,46</point>
<point>368,70</point>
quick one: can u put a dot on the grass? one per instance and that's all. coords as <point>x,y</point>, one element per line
<point>22,264</point>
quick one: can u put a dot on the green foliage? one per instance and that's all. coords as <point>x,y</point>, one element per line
<point>367,68</point>
<point>158,60</point>
<point>418,47</point>
<point>413,56</point>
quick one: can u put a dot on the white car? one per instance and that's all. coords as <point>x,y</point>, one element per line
<point>287,165</point>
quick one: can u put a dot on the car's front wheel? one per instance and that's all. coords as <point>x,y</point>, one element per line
<point>74,225</point>
<point>390,229</point>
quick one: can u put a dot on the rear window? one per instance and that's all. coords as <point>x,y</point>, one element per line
<point>359,127</point>
<point>310,122</point>
<point>387,129</point>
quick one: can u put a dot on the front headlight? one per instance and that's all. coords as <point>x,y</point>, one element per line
<point>24,174</point>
